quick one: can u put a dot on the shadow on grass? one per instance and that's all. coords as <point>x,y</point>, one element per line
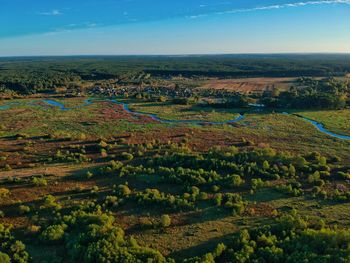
<point>200,249</point>
<point>265,195</point>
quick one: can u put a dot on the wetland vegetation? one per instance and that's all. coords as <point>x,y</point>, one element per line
<point>144,159</point>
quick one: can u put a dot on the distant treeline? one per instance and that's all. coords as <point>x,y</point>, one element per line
<point>31,75</point>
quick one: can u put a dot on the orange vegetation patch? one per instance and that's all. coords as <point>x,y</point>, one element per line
<point>250,85</point>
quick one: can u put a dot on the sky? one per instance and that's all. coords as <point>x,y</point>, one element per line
<point>144,27</point>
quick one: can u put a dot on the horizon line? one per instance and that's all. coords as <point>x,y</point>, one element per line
<point>178,55</point>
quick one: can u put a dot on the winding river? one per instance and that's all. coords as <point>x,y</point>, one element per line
<point>126,108</point>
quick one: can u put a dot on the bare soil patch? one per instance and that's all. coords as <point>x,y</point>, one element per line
<point>250,85</point>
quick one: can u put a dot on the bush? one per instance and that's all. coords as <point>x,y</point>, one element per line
<point>215,188</point>
<point>4,258</point>
<point>111,200</point>
<point>4,192</point>
<point>89,175</point>
<point>23,209</point>
<point>123,190</point>
<point>11,248</point>
<point>127,156</point>
<point>7,167</point>
<point>162,99</point>
<point>203,196</point>
<point>33,229</point>
<point>53,233</point>
<point>95,189</point>
<point>292,189</point>
<point>49,202</point>
<point>39,181</point>
<point>165,221</point>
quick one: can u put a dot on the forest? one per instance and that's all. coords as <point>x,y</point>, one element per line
<point>31,75</point>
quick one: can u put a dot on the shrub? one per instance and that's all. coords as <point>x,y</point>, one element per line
<point>266,165</point>
<point>39,181</point>
<point>89,175</point>
<point>313,177</point>
<point>53,233</point>
<point>291,170</point>
<point>123,190</point>
<point>165,221</point>
<point>203,196</point>
<point>111,200</point>
<point>81,136</point>
<point>235,180</point>
<point>4,192</point>
<point>49,202</point>
<point>218,199</point>
<point>162,99</point>
<point>7,167</point>
<point>95,190</point>
<point>127,156</point>
<point>4,258</point>
<point>23,209</point>
<point>33,229</point>
<point>10,248</point>
<point>104,153</point>
<point>292,189</point>
<point>343,175</point>
<point>103,144</point>
<point>257,183</point>
<point>215,188</point>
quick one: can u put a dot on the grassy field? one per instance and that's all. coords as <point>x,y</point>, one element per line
<point>337,121</point>
<point>169,111</point>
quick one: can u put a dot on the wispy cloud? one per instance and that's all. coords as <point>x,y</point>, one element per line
<point>281,6</point>
<point>54,12</point>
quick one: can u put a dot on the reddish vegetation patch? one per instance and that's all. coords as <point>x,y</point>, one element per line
<point>116,112</point>
<point>250,85</point>
<point>27,152</point>
<point>20,123</point>
<point>196,139</point>
<point>260,209</point>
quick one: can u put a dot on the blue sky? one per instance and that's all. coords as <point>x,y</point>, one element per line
<point>67,27</point>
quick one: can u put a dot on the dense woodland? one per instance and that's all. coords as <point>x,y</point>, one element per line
<point>31,75</point>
